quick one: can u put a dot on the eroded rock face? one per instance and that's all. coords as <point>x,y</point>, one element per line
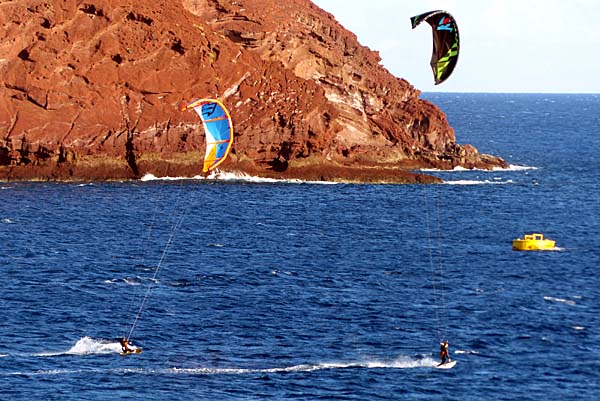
<point>92,90</point>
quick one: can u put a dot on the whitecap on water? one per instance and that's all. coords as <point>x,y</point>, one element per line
<point>466,352</point>
<point>477,182</point>
<point>561,300</point>
<point>132,281</point>
<point>7,221</point>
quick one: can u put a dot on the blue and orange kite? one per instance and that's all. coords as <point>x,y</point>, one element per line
<point>218,128</point>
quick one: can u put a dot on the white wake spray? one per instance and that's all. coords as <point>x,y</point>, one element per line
<point>402,362</point>
<point>88,346</point>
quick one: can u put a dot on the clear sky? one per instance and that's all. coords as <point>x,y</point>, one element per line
<point>506,45</point>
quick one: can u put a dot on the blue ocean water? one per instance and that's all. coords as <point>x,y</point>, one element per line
<point>301,291</point>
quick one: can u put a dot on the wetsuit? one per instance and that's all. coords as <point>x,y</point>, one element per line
<point>124,345</point>
<point>444,356</point>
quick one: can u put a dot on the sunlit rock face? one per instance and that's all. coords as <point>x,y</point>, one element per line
<point>93,90</point>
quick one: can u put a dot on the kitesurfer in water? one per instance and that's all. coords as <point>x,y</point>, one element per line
<point>125,345</point>
<point>444,354</point>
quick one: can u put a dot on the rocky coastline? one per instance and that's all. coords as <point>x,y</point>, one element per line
<point>91,91</point>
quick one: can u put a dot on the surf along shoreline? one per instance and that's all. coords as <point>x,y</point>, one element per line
<point>99,168</point>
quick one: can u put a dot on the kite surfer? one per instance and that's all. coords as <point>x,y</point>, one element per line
<point>125,345</point>
<point>444,354</point>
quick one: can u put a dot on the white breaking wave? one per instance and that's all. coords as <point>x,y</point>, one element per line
<point>561,300</point>
<point>492,181</point>
<point>152,177</point>
<point>512,167</point>
<point>235,177</point>
<point>459,169</point>
<point>242,177</point>
<point>7,221</point>
<point>476,182</point>
<point>466,352</point>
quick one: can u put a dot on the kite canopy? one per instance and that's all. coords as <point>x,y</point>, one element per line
<point>218,128</point>
<point>445,42</point>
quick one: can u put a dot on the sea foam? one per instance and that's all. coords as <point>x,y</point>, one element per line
<point>235,177</point>
<point>561,300</point>
<point>477,182</point>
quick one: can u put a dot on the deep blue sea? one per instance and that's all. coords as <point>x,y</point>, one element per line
<point>257,290</point>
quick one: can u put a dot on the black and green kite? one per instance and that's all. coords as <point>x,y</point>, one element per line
<point>445,42</point>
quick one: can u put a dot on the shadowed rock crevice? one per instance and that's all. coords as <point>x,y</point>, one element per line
<point>130,155</point>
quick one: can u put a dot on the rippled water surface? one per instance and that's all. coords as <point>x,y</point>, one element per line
<point>291,291</point>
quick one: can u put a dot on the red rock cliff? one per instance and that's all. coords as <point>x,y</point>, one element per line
<point>92,90</point>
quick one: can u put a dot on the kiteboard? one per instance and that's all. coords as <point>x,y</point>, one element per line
<point>133,351</point>
<point>448,365</point>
